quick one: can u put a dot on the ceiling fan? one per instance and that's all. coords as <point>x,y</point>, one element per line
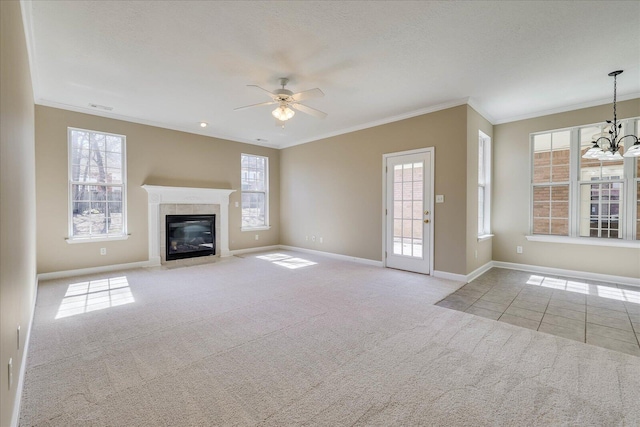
<point>287,100</point>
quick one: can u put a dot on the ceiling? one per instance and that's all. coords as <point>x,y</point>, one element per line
<point>174,64</point>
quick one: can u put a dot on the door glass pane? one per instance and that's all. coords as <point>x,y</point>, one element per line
<point>408,208</point>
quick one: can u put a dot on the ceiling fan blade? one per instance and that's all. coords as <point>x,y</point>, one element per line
<point>308,110</point>
<point>261,88</point>
<point>255,105</point>
<point>307,94</point>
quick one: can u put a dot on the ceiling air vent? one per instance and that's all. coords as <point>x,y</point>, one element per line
<point>101,107</point>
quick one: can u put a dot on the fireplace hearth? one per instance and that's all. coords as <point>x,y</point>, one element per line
<point>189,236</point>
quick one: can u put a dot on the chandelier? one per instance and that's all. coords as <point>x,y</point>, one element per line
<point>610,146</point>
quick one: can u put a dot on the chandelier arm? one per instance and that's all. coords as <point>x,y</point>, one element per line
<point>637,140</point>
<point>602,137</point>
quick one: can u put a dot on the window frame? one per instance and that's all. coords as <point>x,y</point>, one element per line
<point>633,170</point>
<point>551,184</point>
<point>71,239</point>
<point>630,181</point>
<point>266,225</point>
<point>484,144</point>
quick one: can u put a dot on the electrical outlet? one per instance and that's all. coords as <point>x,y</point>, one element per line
<point>476,254</point>
<point>10,372</point>
<point>103,251</point>
<point>519,249</point>
<point>237,204</point>
<point>321,240</point>
<point>313,238</point>
<point>306,238</point>
<point>257,236</point>
<point>439,198</point>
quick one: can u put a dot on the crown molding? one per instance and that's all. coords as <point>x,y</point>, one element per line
<point>384,121</point>
<point>27,22</point>
<point>443,106</point>
<point>108,115</point>
<point>564,109</point>
<point>480,110</point>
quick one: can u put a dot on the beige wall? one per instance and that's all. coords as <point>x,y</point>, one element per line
<point>154,156</point>
<point>17,201</point>
<point>475,123</point>
<point>511,190</point>
<point>332,188</point>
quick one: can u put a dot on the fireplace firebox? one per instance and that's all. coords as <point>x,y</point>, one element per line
<point>190,236</point>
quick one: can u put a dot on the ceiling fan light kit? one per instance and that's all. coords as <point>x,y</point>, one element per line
<point>612,144</point>
<point>283,113</point>
<point>288,101</point>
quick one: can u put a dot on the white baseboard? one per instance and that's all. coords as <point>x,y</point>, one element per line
<point>623,280</point>
<point>479,271</point>
<point>15,417</point>
<point>250,250</point>
<point>93,270</point>
<point>334,255</point>
<point>450,276</point>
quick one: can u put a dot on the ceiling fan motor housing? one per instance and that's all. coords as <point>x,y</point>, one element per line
<point>283,93</point>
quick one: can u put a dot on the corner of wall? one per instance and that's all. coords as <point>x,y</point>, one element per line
<point>477,253</point>
<point>17,207</point>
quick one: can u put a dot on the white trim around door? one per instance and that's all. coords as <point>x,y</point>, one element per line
<point>423,261</point>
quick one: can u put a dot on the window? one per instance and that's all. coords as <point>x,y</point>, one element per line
<point>484,184</point>
<point>97,185</point>
<point>577,197</point>
<point>601,191</point>
<point>551,183</point>
<point>255,192</point>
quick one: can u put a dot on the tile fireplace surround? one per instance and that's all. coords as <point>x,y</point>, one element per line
<point>165,200</point>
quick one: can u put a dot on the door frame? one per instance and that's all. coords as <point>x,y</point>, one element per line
<point>429,202</point>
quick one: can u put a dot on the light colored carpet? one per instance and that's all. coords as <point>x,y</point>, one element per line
<point>250,342</point>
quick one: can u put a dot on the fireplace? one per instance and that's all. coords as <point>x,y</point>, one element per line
<point>186,201</point>
<point>190,236</point>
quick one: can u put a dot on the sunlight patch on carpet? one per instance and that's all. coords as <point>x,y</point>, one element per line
<point>93,295</point>
<point>585,288</point>
<point>287,261</point>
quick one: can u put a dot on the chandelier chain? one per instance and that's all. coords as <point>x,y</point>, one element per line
<point>615,90</point>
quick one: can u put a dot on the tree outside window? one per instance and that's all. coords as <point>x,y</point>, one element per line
<point>96,184</point>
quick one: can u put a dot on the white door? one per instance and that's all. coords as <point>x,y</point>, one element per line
<point>408,216</point>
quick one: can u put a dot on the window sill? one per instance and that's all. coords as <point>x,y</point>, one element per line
<point>264,227</point>
<point>484,237</point>
<point>587,241</point>
<point>73,241</point>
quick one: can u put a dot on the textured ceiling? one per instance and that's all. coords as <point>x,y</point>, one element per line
<point>176,63</point>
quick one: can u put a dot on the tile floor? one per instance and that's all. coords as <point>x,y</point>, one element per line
<point>602,314</point>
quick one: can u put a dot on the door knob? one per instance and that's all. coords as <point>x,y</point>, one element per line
<point>426,212</point>
<point>426,221</point>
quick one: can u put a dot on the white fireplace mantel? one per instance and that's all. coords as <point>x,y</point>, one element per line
<point>185,195</point>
